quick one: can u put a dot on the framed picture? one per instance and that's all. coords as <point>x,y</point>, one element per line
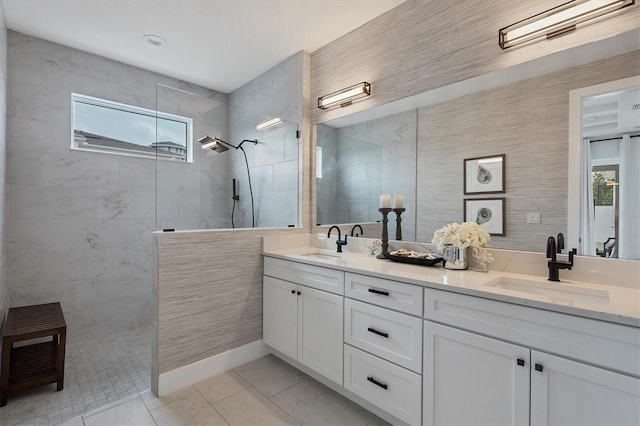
<point>486,212</point>
<point>484,175</point>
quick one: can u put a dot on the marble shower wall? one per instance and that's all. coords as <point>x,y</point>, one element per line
<point>3,162</point>
<point>195,196</point>
<point>363,161</point>
<point>80,223</point>
<point>276,162</point>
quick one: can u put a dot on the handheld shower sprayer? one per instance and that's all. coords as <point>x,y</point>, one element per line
<point>236,197</point>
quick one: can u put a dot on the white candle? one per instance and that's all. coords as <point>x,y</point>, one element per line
<point>398,201</point>
<point>385,201</point>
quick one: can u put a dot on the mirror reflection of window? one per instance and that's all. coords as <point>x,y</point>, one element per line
<point>611,137</point>
<point>605,204</point>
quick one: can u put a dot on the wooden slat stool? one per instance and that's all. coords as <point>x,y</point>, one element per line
<point>36,364</point>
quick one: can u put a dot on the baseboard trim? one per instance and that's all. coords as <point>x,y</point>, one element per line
<point>198,371</point>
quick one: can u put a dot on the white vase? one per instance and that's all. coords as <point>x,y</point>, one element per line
<point>455,257</point>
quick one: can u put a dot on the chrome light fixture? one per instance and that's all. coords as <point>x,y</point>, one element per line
<point>269,123</point>
<point>345,97</point>
<point>557,21</point>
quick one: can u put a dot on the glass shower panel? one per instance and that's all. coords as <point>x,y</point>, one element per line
<point>254,182</point>
<point>191,191</point>
<point>274,165</point>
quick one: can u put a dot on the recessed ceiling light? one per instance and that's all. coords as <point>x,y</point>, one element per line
<point>154,40</point>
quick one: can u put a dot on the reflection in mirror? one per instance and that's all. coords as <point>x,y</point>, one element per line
<point>611,176</point>
<point>359,162</point>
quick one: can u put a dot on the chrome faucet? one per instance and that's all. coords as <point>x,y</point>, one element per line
<point>354,228</point>
<point>554,264</point>
<point>339,242</point>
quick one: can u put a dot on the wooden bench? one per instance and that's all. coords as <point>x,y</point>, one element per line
<point>36,364</point>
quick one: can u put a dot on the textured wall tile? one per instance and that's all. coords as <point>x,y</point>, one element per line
<point>126,204</point>
<point>62,266</point>
<point>41,202</point>
<point>23,269</point>
<point>24,168</point>
<point>34,235</point>
<point>73,296</point>
<point>79,171</point>
<point>211,308</point>
<point>402,53</point>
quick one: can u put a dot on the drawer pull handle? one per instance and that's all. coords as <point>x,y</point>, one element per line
<point>380,292</point>
<point>520,362</point>
<point>293,292</point>
<point>375,382</point>
<point>379,333</point>
<point>539,367</point>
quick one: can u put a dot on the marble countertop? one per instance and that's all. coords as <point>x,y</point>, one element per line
<point>597,301</point>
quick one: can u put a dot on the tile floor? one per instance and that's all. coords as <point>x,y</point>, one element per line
<point>263,392</point>
<point>97,372</point>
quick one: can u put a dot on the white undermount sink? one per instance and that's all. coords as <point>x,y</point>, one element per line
<point>322,256</point>
<point>552,290</point>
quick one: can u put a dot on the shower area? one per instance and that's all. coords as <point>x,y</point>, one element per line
<point>85,197</point>
<point>244,170</point>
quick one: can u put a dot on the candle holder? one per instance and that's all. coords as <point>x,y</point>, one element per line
<point>399,223</point>
<point>385,233</point>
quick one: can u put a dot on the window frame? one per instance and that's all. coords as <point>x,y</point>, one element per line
<point>104,103</point>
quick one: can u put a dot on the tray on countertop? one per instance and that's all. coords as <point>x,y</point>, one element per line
<point>415,260</point>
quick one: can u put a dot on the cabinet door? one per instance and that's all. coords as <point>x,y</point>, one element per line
<point>572,393</point>
<point>279,310</point>
<point>320,340</point>
<point>469,379</point>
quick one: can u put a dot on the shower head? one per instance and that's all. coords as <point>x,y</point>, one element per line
<point>214,144</point>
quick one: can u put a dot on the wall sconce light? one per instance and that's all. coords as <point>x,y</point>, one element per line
<point>344,97</point>
<point>268,123</point>
<point>557,21</point>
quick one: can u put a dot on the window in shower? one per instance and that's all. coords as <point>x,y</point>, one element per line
<point>100,125</point>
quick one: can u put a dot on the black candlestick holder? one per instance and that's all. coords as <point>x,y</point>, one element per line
<point>398,223</point>
<point>385,233</point>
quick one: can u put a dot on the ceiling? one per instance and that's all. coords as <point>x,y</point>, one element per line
<point>219,44</point>
<point>611,114</point>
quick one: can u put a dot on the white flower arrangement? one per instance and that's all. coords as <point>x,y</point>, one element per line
<point>467,234</point>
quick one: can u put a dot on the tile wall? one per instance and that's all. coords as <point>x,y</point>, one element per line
<point>276,162</point>
<point>80,223</point>
<point>362,161</point>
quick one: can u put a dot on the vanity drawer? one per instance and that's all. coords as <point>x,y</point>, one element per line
<point>610,345</point>
<point>402,297</point>
<point>318,277</point>
<point>392,388</point>
<point>393,336</point>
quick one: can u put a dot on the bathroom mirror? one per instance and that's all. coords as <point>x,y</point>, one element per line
<point>357,162</point>
<point>520,111</point>
<point>604,178</point>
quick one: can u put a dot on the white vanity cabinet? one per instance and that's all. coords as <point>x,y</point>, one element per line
<point>302,322</point>
<point>473,380</point>
<point>383,344</point>
<point>469,378</point>
<point>439,357</point>
<point>565,392</point>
